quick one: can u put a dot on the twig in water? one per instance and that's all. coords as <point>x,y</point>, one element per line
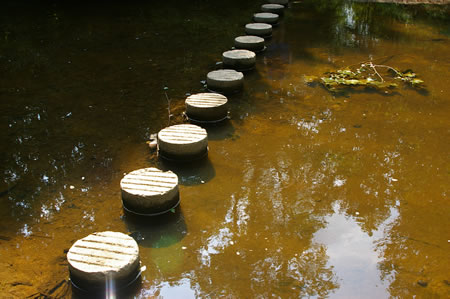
<point>375,70</point>
<point>391,68</point>
<point>168,108</point>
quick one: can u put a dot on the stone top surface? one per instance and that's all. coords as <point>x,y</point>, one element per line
<point>249,39</point>
<point>272,6</point>
<point>148,182</point>
<point>239,54</point>
<point>225,75</point>
<point>261,26</point>
<point>206,100</point>
<point>103,252</point>
<point>266,15</point>
<point>182,134</point>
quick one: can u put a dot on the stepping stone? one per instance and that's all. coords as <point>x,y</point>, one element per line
<point>266,17</point>
<point>207,107</point>
<point>273,8</point>
<point>225,81</point>
<point>241,60</point>
<point>259,29</point>
<point>102,257</point>
<point>185,142</point>
<point>250,42</point>
<point>149,191</point>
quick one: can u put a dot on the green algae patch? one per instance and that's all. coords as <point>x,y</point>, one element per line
<point>367,75</point>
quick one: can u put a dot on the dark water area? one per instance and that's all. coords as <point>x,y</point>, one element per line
<point>305,193</point>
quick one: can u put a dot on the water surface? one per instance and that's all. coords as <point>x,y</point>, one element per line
<point>305,193</point>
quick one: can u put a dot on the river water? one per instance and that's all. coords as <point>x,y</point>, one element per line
<point>305,193</point>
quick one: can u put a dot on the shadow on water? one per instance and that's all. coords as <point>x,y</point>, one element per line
<point>157,231</point>
<point>190,173</point>
<point>220,131</point>
<point>348,92</point>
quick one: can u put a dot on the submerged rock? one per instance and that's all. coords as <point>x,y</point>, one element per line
<point>422,283</point>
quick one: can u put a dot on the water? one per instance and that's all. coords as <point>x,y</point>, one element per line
<point>304,193</point>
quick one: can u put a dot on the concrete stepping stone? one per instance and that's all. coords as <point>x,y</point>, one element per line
<point>266,17</point>
<point>241,60</point>
<point>150,191</point>
<point>225,81</point>
<point>259,29</point>
<point>206,107</point>
<point>250,42</point>
<point>273,8</point>
<point>185,142</point>
<point>101,257</point>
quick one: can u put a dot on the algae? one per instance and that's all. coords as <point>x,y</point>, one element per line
<point>367,75</point>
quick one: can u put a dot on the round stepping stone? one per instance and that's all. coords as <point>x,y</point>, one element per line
<point>149,191</point>
<point>259,29</point>
<point>102,257</point>
<point>266,17</point>
<point>250,42</point>
<point>282,2</point>
<point>207,107</point>
<point>183,142</point>
<point>273,8</point>
<point>226,81</point>
<point>241,60</point>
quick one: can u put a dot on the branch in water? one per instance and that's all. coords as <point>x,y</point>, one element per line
<point>168,108</point>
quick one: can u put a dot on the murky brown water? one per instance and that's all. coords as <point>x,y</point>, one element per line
<point>304,193</point>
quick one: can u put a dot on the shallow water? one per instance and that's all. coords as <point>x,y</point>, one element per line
<point>305,193</point>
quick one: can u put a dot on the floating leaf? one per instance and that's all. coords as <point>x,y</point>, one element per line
<point>328,80</point>
<point>393,85</point>
<point>409,75</point>
<point>353,82</point>
<point>346,72</point>
<point>416,81</point>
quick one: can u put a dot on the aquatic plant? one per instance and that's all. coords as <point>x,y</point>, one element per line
<point>367,75</point>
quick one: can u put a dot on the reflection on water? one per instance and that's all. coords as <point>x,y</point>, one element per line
<point>182,289</point>
<point>353,255</point>
<point>304,193</point>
